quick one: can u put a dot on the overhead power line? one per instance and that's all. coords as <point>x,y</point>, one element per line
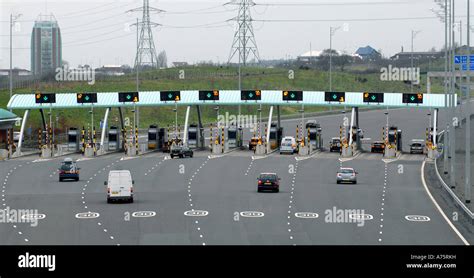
<point>349,19</point>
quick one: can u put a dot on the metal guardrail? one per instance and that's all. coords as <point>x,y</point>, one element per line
<point>458,201</point>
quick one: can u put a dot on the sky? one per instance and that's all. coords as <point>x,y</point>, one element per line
<point>99,33</point>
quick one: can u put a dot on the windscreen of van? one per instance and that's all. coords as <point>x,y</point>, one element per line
<point>120,179</point>
<point>287,142</point>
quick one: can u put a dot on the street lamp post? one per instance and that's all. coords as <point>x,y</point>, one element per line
<point>13,19</point>
<point>413,35</point>
<point>467,184</point>
<point>332,31</point>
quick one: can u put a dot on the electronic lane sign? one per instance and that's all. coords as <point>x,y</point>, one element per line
<point>45,98</point>
<point>251,95</point>
<point>129,97</point>
<point>170,96</point>
<point>209,95</point>
<point>335,97</point>
<point>373,97</point>
<point>86,98</point>
<point>413,98</point>
<point>292,96</point>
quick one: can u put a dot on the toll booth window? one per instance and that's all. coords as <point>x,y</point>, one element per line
<point>273,136</point>
<point>192,136</point>
<point>72,138</point>
<point>113,137</point>
<point>152,136</point>
<point>232,134</point>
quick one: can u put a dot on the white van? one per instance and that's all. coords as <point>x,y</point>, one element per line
<point>119,186</point>
<point>288,145</point>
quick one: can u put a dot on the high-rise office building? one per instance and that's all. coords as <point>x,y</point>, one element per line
<point>46,46</point>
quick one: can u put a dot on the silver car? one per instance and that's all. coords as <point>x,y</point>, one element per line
<point>348,175</point>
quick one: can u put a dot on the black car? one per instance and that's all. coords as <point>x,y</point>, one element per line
<point>378,147</point>
<point>68,170</point>
<point>335,145</point>
<point>268,181</point>
<point>181,151</point>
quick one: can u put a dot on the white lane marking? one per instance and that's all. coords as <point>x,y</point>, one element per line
<point>142,214</point>
<point>298,158</point>
<point>37,216</point>
<point>417,218</point>
<point>196,213</point>
<point>252,214</point>
<point>127,158</point>
<point>87,215</point>
<point>346,159</point>
<point>360,216</point>
<point>438,207</point>
<point>306,215</point>
<point>40,160</point>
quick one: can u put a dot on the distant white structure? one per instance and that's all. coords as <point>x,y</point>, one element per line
<point>313,56</point>
<point>111,70</point>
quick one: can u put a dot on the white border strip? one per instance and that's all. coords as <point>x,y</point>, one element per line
<point>438,207</point>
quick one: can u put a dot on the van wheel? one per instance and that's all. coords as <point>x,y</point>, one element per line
<point>131,200</point>
<point>108,201</point>
<point>60,179</point>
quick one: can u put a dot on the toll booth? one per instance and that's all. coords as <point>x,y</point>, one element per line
<point>114,139</point>
<point>73,139</point>
<point>395,137</point>
<point>234,137</point>
<point>161,138</point>
<point>430,136</point>
<point>153,137</point>
<point>276,134</point>
<point>193,136</point>
<point>315,134</point>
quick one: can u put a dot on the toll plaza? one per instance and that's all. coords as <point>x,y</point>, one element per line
<point>263,141</point>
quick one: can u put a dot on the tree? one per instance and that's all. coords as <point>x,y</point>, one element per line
<point>162,60</point>
<point>342,60</point>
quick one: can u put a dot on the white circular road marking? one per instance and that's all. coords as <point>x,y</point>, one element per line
<point>196,213</point>
<point>417,218</point>
<point>140,214</point>
<point>252,214</point>
<point>87,215</point>
<point>37,216</point>
<point>361,216</point>
<point>306,215</point>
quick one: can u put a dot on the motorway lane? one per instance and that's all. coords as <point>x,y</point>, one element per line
<point>317,191</point>
<point>9,234</point>
<point>34,186</point>
<point>407,196</point>
<point>159,188</point>
<point>225,191</point>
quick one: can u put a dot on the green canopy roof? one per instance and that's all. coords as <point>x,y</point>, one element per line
<point>5,115</point>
